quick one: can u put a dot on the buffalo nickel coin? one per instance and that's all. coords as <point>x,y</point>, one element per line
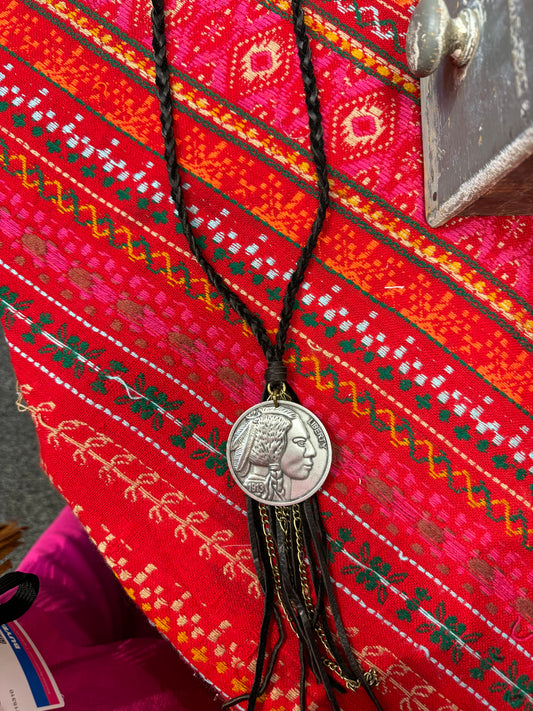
<point>279,455</point>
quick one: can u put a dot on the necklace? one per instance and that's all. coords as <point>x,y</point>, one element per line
<point>279,453</point>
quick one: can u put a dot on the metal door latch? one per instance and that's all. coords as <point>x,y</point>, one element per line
<point>476,67</point>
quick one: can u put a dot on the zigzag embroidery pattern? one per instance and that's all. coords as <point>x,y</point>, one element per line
<point>433,459</point>
<point>213,302</point>
<point>389,24</point>
<point>400,237</point>
<point>207,293</point>
<point>137,247</point>
<point>450,269</point>
<point>518,322</point>
<point>132,245</point>
<point>398,233</point>
<point>414,445</point>
<point>372,62</point>
<point>99,440</point>
<point>68,202</point>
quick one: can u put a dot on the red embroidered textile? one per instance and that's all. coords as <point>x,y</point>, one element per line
<point>413,345</point>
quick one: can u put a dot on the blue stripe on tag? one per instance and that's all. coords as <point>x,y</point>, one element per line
<point>35,684</point>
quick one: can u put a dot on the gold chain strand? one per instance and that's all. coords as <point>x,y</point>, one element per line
<point>273,561</point>
<point>270,547</point>
<point>282,516</point>
<point>301,562</point>
<point>306,588</point>
<point>370,676</point>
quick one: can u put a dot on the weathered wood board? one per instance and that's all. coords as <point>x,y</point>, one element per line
<point>477,121</point>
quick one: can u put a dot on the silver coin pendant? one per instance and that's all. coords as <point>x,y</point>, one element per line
<point>279,455</point>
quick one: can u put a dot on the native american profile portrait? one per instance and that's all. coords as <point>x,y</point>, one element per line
<point>271,448</point>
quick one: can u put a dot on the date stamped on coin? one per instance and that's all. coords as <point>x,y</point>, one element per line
<point>279,455</point>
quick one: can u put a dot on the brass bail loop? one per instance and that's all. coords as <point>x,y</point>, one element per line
<point>277,392</point>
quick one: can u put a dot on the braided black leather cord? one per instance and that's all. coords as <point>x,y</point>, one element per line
<point>316,138</point>
<point>291,588</point>
<point>273,352</point>
<point>167,124</point>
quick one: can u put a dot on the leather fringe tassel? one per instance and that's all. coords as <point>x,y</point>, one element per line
<point>290,552</point>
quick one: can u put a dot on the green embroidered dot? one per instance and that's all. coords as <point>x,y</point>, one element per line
<point>310,319</point>
<point>54,146</point>
<point>462,433</point>
<point>160,218</point>
<point>348,346</point>
<point>237,268</point>
<point>386,373</point>
<point>88,171</point>
<point>274,294</point>
<point>500,461</point>
<point>423,402</point>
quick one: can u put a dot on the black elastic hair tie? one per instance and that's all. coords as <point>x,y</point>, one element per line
<point>27,585</point>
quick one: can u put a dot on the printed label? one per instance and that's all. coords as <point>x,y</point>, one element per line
<point>26,683</point>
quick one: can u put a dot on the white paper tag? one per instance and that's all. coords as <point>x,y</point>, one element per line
<point>26,683</point>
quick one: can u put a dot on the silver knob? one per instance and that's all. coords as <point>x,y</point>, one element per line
<point>433,36</point>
